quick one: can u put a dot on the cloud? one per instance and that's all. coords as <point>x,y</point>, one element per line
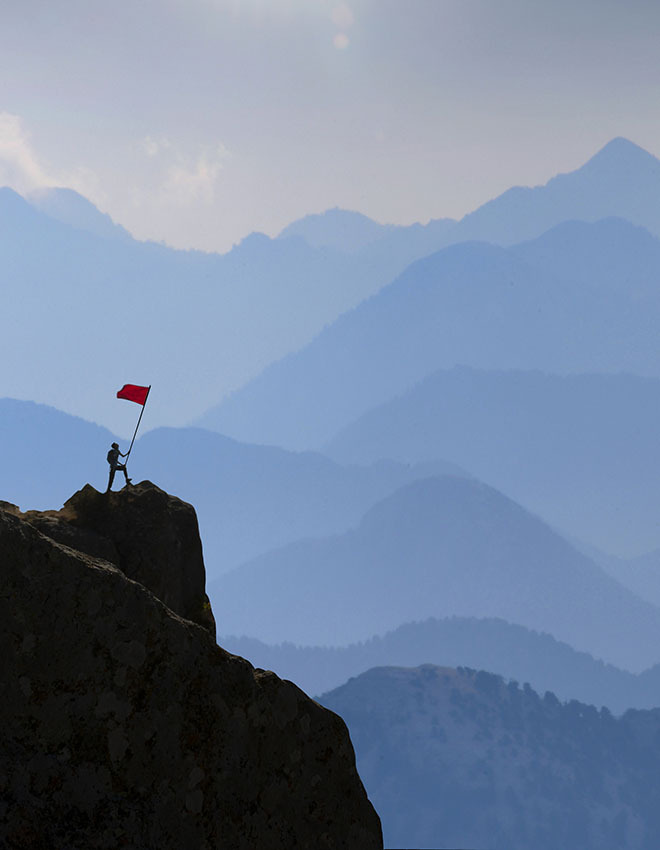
<point>153,147</point>
<point>22,169</point>
<point>197,181</point>
<point>185,177</point>
<point>19,166</point>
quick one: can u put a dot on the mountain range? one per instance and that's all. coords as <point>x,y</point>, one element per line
<point>512,651</point>
<point>462,758</point>
<point>199,326</point>
<point>91,308</point>
<point>530,306</point>
<point>249,499</point>
<point>406,443</point>
<point>579,450</point>
<point>620,180</point>
<point>438,547</point>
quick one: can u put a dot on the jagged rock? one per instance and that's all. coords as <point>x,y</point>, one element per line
<point>124,725</point>
<point>151,536</point>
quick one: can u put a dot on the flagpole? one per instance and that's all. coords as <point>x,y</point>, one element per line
<point>138,424</point>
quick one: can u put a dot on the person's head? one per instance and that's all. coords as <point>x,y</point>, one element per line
<point>115,446</point>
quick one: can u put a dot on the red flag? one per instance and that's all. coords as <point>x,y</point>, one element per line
<point>131,392</point>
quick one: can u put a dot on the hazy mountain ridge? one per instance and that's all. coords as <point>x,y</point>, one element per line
<point>391,340</point>
<point>195,325</point>
<point>249,498</point>
<point>342,229</point>
<point>253,498</point>
<point>138,298</point>
<point>509,650</point>
<point>621,180</point>
<point>69,207</point>
<point>472,304</point>
<point>460,758</point>
<point>438,547</point>
<point>48,454</point>
<point>580,450</point>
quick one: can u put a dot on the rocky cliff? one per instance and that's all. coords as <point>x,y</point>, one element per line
<point>152,537</point>
<point>124,724</point>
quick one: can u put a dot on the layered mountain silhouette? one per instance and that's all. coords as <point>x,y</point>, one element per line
<point>438,547</point>
<point>72,208</point>
<point>462,758</point>
<point>160,314</point>
<point>580,450</point>
<point>472,304</point>
<point>342,229</point>
<point>195,325</point>
<point>512,651</point>
<point>353,233</point>
<point>621,180</point>
<point>48,454</point>
<point>249,498</point>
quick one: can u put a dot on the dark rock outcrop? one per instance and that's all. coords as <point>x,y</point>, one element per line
<point>125,725</point>
<point>152,537</point>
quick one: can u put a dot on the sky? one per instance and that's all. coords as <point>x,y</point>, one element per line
<point>197,122</point>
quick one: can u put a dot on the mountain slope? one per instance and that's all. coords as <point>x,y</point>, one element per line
<point>580,450</point>
<point>342,229</point>
<point>640,574</point>
<point>438,547</point>
<point>249,498</point>
<point>511,651</point>
<point>545,305</point>
<point>69,207</point>
<point>459,758</point>
<point>89,310</point>
<point>457,304</point>
<point>48,454</point>
<point>620,180</point>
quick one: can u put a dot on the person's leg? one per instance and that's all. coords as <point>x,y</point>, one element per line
<point>111,478</point>
<point>128,480</point>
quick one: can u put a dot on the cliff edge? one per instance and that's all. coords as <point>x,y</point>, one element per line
<point>125,725</point>
<point>152,537</point>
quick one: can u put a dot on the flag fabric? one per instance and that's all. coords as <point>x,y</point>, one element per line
<point>131,392</point>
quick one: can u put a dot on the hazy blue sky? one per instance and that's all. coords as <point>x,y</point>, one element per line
<point>198,121</point>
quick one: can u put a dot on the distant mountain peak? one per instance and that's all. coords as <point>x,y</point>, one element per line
<point>621,152</point>
<point>620,145</point>
<point>345,230</point>
<point>72,208</point>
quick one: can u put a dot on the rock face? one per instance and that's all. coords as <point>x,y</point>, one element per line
<point>152,537</point>
<point>125,725</point>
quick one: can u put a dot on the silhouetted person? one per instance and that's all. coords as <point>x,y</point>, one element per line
<point>113,460</point>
